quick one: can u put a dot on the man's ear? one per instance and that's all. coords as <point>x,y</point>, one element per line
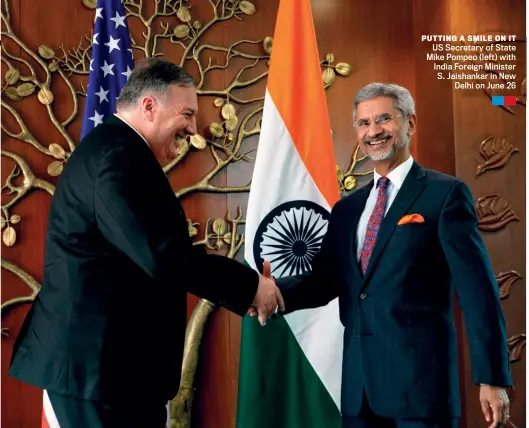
<point>148,108</point>
<point>412,125</point>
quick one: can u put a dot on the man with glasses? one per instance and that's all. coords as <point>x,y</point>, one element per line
<point>393,252</point>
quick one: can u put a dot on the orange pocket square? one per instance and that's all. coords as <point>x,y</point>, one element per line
<point>411,218</point>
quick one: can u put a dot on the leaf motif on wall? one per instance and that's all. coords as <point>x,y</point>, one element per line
<point>9,237</point>
<point>505,281</point>
<point>494,213</point>
<point>496,152</point>
<point>191,228</point>
<point>516,346</point>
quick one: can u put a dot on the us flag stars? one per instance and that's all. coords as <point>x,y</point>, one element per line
<point>111,64</point>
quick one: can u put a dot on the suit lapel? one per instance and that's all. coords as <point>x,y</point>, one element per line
<point>408,193</point>
<point>358,203</point>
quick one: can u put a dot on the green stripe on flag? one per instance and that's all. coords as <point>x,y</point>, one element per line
<point>278,388</point>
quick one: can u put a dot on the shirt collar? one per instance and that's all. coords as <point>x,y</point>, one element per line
<point>124,121</point>
<point>398,175</point>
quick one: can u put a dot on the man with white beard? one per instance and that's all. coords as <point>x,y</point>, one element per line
<point>394,252</point>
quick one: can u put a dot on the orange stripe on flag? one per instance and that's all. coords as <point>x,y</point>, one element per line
<point>44,421</point>
<point>295,84</point>
<point>49,420</point>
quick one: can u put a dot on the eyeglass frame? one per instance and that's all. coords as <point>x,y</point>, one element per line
<point>391,118</point>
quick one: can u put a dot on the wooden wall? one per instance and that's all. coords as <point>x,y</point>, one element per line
<point>475,121</point>
<point>382,42</point>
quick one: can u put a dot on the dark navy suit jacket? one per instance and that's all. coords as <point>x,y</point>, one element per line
<point>400,342</point>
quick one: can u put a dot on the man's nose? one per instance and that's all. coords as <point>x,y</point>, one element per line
<point>192,127</point>
<point>374,129</point>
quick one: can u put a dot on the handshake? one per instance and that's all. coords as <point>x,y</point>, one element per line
<point>268,297</point>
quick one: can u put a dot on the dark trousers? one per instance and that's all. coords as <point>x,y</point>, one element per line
<point>368,419</point>
<point>72,412</point>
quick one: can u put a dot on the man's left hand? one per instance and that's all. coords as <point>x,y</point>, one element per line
<point>495,405</point>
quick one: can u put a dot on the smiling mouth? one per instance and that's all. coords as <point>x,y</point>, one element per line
<point>378,141</point>
<point>178,139</point>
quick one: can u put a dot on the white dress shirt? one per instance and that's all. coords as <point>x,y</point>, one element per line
<point>396,178</point>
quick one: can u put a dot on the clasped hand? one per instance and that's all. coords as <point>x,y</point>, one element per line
<point>267,298</point>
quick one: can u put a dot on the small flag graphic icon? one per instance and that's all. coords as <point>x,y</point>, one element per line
<point>508,100</point>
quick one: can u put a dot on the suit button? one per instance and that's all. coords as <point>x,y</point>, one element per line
<point>363,296</point>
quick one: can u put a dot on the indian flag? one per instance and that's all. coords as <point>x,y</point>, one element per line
<point>290,370</point>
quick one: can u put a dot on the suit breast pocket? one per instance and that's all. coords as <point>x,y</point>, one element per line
<point>413,235</point>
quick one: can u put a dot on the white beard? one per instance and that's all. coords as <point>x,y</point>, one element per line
<point>403,140</point>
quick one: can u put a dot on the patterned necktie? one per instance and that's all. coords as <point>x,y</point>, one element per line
<point>374,222</point>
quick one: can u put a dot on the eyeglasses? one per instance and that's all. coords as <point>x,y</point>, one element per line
<point>383,119</point>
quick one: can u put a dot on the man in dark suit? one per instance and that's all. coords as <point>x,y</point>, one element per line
<point>393,252</point>
<point>105,334</point>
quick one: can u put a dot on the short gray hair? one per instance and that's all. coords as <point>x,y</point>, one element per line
<point>402,99</point>
<point>152,75</point>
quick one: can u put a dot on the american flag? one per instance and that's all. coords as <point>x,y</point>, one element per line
<point>110,65</point>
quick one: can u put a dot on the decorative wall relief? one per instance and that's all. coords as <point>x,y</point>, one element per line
<point>494,213</point>
<point>496,152</point>
<point>27,279</point>
<point>171,24</point>
<point>503,64</point>
<point>347,180</point>
<point>516,345</point>
<point>505,281</point>
<point>225,138</point>
<point>182,404</point>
